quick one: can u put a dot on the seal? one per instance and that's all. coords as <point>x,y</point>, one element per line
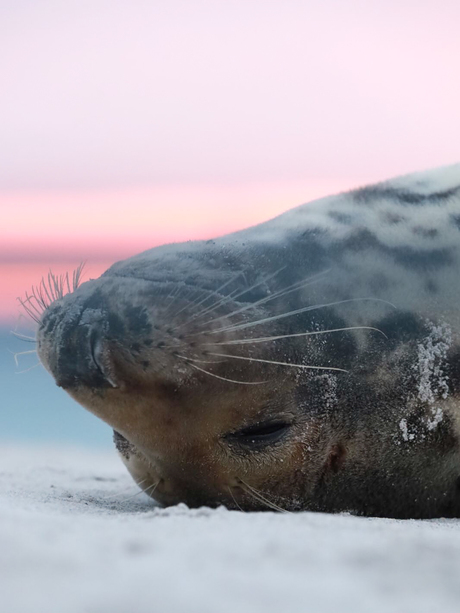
<point>308,363</point>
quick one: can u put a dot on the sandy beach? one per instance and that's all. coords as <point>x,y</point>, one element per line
<point>75,536</point>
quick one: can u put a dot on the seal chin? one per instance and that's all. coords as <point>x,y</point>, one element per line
<point>167,487</point>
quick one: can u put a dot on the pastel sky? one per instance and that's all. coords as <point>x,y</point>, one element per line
<point>128,123</point>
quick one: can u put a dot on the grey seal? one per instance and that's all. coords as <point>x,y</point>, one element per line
<point>308,363</point>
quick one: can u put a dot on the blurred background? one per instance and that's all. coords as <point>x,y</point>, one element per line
<point>127,124</point>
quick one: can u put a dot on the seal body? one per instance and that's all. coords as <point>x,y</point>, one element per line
<point>311,362</point>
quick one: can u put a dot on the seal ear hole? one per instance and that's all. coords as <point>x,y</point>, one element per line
<point>336,458</point>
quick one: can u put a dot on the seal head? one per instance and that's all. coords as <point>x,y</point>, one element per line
<point>310,362</point>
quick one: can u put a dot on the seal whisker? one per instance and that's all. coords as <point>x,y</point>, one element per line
<point>190,305</point>
<point>24,337</point>
<point>296,312</point>
<point>52,285</point>
<point>127,489</point>
<point>30,307</point>
<point>184,357</point>
<point>280,294</point>
<point>67,282</point>
<point>142,491</point>
<point>265,339</point>
<point>217,291</point>
<point>58,284</point>
<point>211,308</point>
<point>15,355</point>
<point>225,378</point>
<point>258,496</point>
<point>43,285</point>
<point>77,275</point>
<point>21,372</point>
<point>234,499</point>
<point>289,364</point>
<point>48,291</point>
<point>238,295</point>
<point>195,302</point>
<point>174,293</point>
<point>214,306</point>
<point>28,311</point>
<point>152,487</point>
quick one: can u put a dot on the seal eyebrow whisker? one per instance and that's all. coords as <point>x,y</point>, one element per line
<point>42,287</point>
<point>48,291</point>
<point>76,276</point>
<point>258,496</point>
<point>54,285</point>
<point>37,293</point>
<point>296,312</point>
<point>225,378</point>
<point>280,294</point>
<point>30,308</point>
<point>46,285</point>
<point>67,281</point>
<point>265,339</point>
<point>290,364</point>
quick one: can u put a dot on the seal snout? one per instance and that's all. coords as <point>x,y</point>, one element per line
<point>73,347</point>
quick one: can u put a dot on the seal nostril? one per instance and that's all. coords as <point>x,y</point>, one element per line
<point>97,354</point>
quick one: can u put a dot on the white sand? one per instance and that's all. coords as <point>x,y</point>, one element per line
<point>72,541</point>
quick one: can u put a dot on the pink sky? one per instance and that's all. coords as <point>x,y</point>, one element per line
<point>59,229</point>
<point>127,124</point>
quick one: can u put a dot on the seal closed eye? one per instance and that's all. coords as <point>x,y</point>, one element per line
<point>260,434</point>
<point>309,363</point>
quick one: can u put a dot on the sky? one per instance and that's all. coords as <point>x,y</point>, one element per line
<point>127,124</point>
